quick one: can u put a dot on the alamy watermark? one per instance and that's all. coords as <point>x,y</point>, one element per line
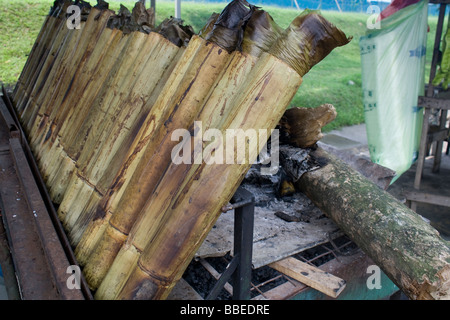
<point>233,146</point>
<point>74,280</point>
<point>74,17</point>
<point>374,280</point>
<point>373,22</point>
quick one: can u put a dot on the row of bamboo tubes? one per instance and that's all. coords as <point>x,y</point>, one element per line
<point>99,107</point>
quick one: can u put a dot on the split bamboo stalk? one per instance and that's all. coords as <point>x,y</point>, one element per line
<point>185,97</point>
<point>192,214</point>
<point>213,112</point>
<point>39,52</point>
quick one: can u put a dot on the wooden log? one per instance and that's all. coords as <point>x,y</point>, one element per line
<point>197,205</point>
<point>196,82</point>
<point>400,242</point>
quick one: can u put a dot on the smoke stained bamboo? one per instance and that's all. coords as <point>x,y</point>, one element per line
<point>78,132</point>
<point>94,28</point>
<point>189,94</point>
<point>272,87</point>
<point>38,53</point>
<point>99,222</point>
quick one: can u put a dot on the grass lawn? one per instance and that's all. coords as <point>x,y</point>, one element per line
<point>335,80</point>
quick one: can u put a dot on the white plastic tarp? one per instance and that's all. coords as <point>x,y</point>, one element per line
<point>393,64</point>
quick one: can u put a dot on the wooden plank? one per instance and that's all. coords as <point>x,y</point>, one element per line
<point>428,198</point>
<point>311,276</point>
<point>434,103</point>
<point>439,1</point>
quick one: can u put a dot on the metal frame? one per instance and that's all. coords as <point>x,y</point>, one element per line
<point>37,225</point>
<point>240,267</point>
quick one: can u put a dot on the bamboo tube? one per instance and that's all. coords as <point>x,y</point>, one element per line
<point>205,68</point>
<point>213,112</point>
<point>154,120</point>
<point>128,119</point>
<point>196,206</point>
<point>34,107</point>
<point>56,175</point>
<point>69,103</point>
<point>49,148</point>
<point>54,44</point>
<point>95,25</point>
<point>103,123</point>
<point>104,159</point>
<point>54,91</point>
<point>38,119</point>
<point>57,188</point>
<point>100,216</point>
<point>87,120</point>
<point>39,52</point>
<point>119,80</point>
<point>26,109</point>
<point>115,115</point>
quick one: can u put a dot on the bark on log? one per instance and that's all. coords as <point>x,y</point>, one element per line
<point>399,241</point>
